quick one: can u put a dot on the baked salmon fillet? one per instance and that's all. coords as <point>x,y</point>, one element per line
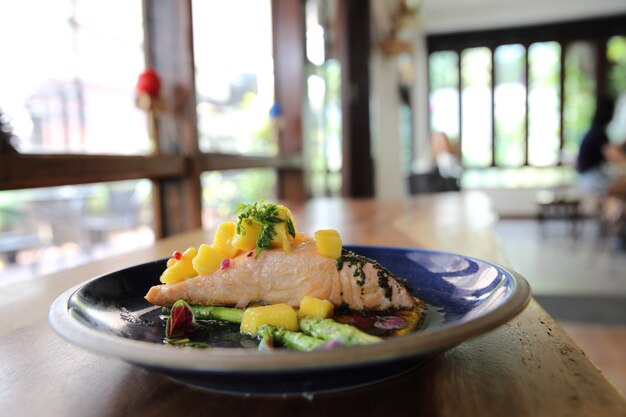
<point>278,277</point>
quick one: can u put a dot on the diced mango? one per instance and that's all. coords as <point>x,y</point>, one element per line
<point>180,269</point>
<point>328,243</point>
<point>282,238</point>
<point>247,242</point>
<point>207,260</point>
<point>311,306</point>
<point>223,239</point>
<point>281,315</point>
<point>284,213</point>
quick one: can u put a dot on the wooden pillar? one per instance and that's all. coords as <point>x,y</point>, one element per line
<point>353,45</point>
<point>169,50</point>
<point>289,55</point>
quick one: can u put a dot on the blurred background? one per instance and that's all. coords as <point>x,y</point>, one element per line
<point>303,99</point>
<point>516,81</point>
<point>289,99</point>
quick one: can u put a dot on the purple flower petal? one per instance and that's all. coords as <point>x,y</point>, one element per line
<point>390,323</point>
<point>181,320</point>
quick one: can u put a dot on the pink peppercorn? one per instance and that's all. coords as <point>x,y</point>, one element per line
<point>225,263</point>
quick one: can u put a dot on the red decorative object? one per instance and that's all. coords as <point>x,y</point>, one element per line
<point>148,99</point>
<point>149,83</point>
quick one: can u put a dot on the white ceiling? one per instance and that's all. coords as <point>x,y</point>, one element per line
<point>462,15</point>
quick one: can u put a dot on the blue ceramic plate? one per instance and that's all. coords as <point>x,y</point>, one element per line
<point>464,298</point>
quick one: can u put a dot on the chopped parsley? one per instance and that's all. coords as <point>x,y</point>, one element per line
<point>267,216</point>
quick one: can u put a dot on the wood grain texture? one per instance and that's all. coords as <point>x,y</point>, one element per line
<point>36,170</point>
<point>527,367</point>
<point>604,345</point>
<point>168,34</point>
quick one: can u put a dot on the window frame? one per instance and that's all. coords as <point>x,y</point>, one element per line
<point>598,30</point>
<point>175,170</point>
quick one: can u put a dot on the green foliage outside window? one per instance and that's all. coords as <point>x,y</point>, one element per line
<point>616,53</point>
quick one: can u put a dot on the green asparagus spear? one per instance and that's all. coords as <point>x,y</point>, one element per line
<point>230,314</point>
<point>328,329</point>
<point>293,340</point>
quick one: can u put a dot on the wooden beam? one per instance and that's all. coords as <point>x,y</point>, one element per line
<point>19,171</point>
<point>289,81</point>
<point>605,26</point>
<point>353,45</point>
<point>168,38</point>
<point>220,161</point>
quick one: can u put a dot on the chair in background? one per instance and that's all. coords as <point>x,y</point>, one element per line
<point>122,212</point>
<point>560,203</point>
<point>19,232</point>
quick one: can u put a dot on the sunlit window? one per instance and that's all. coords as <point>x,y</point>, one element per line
<point>68,75</point>
<point>234,76</point>
<point>46,229</point>
<point>444,93</point>
<point>222,191</point>
<point>579,95</point>
<point>67,85</point>
<point>235,99</point>
<point>476,107</point>
<point>543,95</point>
<point>510,105</point>
<point>544,109</point>
<point>616,56</point>
<point>323,103</point>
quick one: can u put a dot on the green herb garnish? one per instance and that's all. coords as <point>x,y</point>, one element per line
<point>267,216</point>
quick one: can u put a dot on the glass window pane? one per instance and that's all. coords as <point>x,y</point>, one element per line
<point>323,128</point>
<point>616,54</point>
<point>234,76</point>
<point>443,74</point>
<point>47,229</point>
<point>510,105</point>
<point>544,113</point>
<point>222,191</point>
<point>579,95</point>
<point>74,91</point>
<point>322,106</point>
<point>476,107</point>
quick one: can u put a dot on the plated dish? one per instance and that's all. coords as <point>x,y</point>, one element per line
<point>464,297</point>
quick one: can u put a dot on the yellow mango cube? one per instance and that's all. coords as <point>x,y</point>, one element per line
<point>180,269</point>
<point>223,239</point>
<point>328,243</point>
<point>311,306</point>
<point>247,242</point>
<point>208,260</point>
<point>280,315</point>
<point>284,213</point>
<point>282,238</point>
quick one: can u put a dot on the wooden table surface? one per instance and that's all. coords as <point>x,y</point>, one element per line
<point>527,367</point>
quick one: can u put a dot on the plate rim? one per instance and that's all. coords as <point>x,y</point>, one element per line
<point>246,361</point>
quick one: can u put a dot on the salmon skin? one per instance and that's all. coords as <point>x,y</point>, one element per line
<point>278,277</point>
